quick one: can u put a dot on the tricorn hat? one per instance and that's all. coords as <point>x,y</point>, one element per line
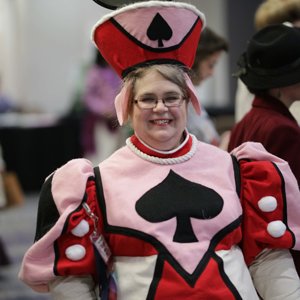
<point>149,32</point>
<point>272,58</point>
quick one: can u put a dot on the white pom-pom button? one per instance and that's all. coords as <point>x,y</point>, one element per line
<point>267,204</point>
<point>75,252</point>
<point>276,229</point>
<point>81,229</point>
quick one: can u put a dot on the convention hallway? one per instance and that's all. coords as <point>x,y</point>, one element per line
<point>17,228</point>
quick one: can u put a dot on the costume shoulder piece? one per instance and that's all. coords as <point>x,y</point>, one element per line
<point>60,213</point>
<point>270,199</point>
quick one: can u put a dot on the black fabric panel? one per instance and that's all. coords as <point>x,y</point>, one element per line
<point>100,194</point>
<point>47,212</point>
<point>237,174</point>
<point>156,278</point>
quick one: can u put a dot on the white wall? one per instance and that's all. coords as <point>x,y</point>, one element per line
<point>52,43</point>
<point>9,48</point>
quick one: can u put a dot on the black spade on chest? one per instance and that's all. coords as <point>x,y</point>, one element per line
<point>159,30</point>
<point>177,197</point>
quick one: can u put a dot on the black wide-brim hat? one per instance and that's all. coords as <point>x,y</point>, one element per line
<point>272,58</point>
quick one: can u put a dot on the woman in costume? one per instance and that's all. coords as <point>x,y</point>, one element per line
<point>166,216</point>
<point>269,12</point>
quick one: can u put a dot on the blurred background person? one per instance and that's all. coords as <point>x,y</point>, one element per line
<point>101,133</point>
<point>209,51</point>
<point>269,12</point>
<point>270,69</point>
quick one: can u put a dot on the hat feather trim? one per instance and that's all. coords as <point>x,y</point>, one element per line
<point>121,104</point>
<point>192,94</point>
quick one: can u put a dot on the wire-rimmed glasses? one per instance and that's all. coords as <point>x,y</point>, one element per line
<point>151,101</point>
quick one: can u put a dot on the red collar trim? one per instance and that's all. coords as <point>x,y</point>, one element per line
<point>184,149</point>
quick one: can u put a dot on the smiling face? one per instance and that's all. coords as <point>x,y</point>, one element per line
<point>161,127</point>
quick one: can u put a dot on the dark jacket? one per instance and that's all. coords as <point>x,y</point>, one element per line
<point>270,123</point>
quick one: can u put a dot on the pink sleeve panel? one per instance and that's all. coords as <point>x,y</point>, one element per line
<point>68,190</point>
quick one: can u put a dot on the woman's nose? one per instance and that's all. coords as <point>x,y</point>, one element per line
<point>160,106</point>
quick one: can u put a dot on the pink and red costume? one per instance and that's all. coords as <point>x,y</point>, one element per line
<point>182,224</point>
<point>173,224</point>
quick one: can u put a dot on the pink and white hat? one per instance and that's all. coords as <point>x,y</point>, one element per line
<point>145,33</point>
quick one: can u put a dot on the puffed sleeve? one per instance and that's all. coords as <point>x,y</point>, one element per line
<point>270,199</point>
<point>62,244</point>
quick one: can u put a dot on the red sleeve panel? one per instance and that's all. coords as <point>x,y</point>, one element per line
<point>74,252</point>
<point>265,209</point>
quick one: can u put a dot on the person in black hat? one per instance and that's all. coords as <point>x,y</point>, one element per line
<point>166,216</point>
<point>270,68</point>
<point>269,12</point>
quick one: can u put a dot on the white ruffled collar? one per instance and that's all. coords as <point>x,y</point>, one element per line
<point>178,155</point>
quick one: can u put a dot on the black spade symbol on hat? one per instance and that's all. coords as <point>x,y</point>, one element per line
<point>176,197</point>
<point>159,30</point>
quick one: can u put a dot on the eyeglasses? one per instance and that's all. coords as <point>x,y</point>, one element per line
<point>151,101</point>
